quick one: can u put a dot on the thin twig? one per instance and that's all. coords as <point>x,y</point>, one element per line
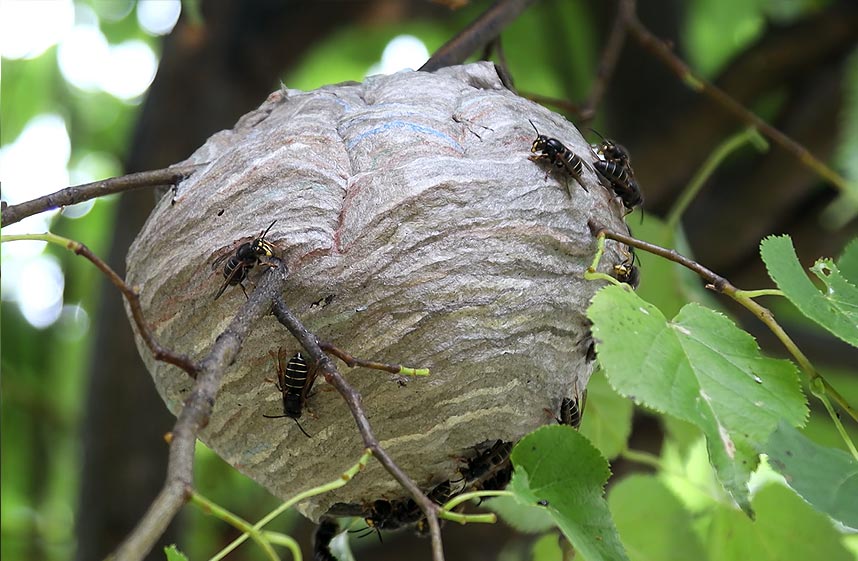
<point>477,34</point>
<point>720,284</point>
<point>352,361</point>
<point>665,53</point>
<point>353,400</point>
<point>130,294</point>
<point>87,191</point>
<point>195,415</point>
<point>564,105</point>
<point>608,61</point>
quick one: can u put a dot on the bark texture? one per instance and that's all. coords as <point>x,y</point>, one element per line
<point>416,231</point>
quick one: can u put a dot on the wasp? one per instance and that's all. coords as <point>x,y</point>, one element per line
<point>614,166</point>
<point>324,535</point>
<point>627,272</point>
<point>571,410</point>
<point>390,515</point>
<point>489,470</point>
<point>294,382</point>
<point>238,264</point>
<point>555,152</point>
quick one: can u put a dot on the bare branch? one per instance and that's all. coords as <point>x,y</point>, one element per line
<point>353,400</point>
<point>662,50</point>
<point>160,353</point>
<point>87,191</point>
<point>477,34</point>
<point>608,61</point>
<point>195,415</point>
<point>130,294</point>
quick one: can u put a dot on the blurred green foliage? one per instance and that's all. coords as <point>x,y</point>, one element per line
<point>44,371</point>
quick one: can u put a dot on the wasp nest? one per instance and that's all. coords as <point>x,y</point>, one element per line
<point>417,231</point>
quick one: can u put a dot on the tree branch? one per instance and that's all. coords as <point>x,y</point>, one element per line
<point>353,400</point>
<point>477,34</point>
<point>195,415</point>
<point>87,191</point>
<point>159,352</point>
<point>720,284</point>
<point>608,61</point>
<point>662,50</point>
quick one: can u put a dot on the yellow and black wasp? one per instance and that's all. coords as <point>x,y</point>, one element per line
<point>238,264</point>
<point>614,166</point>
<point>558,155</point>
<point>627,272</point>
<point>294,380</point>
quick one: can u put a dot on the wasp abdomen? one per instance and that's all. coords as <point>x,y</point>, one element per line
<point>570,412</point>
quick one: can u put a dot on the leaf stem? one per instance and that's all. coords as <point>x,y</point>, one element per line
<point>233,520</point>
<point>819,391</point>
<point>758,293</point>
<point>733,143</point>
<point>487,518</point>
<point>592,273</point>
<point>286,541</point>
<point>459,499</point>
<point>336,484</point>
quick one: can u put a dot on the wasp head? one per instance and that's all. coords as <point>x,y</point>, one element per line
<point>541,142</point>
<point>614,152</point>
<point>262,248</point>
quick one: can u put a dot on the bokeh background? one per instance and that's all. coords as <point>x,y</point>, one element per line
<point>98,88</point>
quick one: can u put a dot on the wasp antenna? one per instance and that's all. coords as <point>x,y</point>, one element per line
<point>266,230</point>
<point>597,133</point>
<point>300,427</point>
<point>534,127</point>
<point>275,416</point>
<point>634,255</point>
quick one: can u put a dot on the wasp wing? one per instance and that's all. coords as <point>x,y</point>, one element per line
<point>238,270</point>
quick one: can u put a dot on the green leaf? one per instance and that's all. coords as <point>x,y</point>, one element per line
<point>836,309</point>
<point>526,518</point>
<point>786,529</point>
<point>700,368</point>
<point>690,476</point>
<point>827,478</point>
<point>640,498</point>
<point>173,553</point>
<point>558,465</point>
<point>607,419</point>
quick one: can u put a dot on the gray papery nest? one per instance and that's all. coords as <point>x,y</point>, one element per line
<point>416,231</point>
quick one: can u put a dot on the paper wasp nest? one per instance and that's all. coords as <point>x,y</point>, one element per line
<point>416,231</point>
